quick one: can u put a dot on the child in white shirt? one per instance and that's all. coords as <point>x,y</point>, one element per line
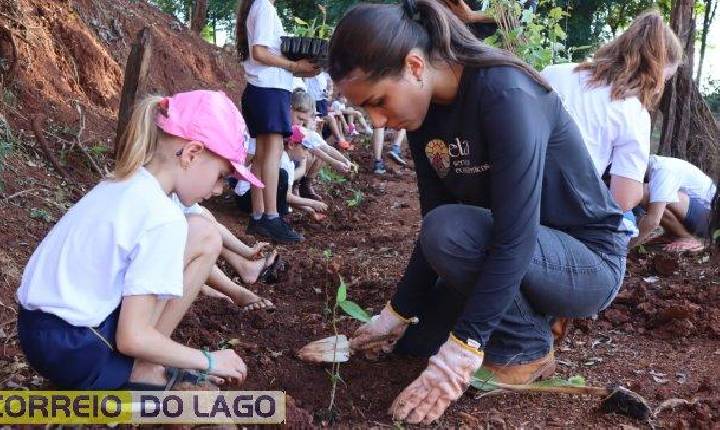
<point>678,197</point>
<point>103,292</point>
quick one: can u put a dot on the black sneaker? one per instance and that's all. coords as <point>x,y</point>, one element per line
<point>280,231</point>
<point>257,228</point>
<point>379,167</point>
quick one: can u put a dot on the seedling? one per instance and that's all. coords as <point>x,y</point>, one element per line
<point>7,144</point>
<point>356,199</point>
<point>40,214</point>
<point>328,175</point>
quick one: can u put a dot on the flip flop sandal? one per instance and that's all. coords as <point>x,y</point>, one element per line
<point>174,376</point>
<point>249,307</point>
<point>269,274</point>
<point>686,248</point>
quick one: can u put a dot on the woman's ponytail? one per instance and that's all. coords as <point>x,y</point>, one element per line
<point>138,143</point>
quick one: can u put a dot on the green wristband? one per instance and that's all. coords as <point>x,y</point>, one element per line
<point>211,361</point>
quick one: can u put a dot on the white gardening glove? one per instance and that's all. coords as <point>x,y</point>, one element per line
<point>445,379</point>
<point>381,333</point>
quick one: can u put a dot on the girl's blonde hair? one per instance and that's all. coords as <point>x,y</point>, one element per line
<point>633,64</point>
<point>303,102</point>
<point>139,141</point>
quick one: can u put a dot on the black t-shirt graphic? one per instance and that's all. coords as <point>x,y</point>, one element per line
<point>508,145</point>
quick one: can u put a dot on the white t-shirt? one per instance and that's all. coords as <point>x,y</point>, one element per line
<point>337,106</point>
<point>286,164</point>
<point>298,82</point>
<point>670,175</point>
<point>265,28</point>
<point>123,238</point>
<point>195,209</point>
<point>317,86</point>
<point>615,132</point>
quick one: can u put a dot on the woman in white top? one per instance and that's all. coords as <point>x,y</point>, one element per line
<point>610,96</point>
<point>266,107</point>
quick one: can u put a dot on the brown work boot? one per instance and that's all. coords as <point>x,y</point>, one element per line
<point>523,374</point>
<point>560,327</point>
<point>306,189</point>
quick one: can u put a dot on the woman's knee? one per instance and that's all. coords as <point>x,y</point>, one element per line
<point>203,238</point>
<point>455,230</point>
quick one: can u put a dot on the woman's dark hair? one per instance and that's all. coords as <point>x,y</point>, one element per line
<point>241,36</point>
<point>376,38</point>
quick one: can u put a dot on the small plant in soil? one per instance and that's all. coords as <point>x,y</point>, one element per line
<point>356,199</point>
<point>40,214</point>
<point>352,309</point>
<point>328,175</point>
<point>7,144</point>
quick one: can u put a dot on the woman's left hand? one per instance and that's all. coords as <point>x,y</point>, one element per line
<point>445,379</point>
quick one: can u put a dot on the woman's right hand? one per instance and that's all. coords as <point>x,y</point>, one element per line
<point>319,206</point>
<point>229,366</point>
<point>379,334</point>
<point>305,69</point>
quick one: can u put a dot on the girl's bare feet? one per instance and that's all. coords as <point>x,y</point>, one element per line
<point>241,296</point>
<point>249,270</point>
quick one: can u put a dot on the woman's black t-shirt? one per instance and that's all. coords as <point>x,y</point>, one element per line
<point>506,144</point>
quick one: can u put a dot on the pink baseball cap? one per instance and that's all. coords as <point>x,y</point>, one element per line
<point>211,118</point>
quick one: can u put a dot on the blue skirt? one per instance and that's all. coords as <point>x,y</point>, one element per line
<point>266,111</point>
<point>77,358</point>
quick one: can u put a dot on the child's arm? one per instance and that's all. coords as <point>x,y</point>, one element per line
<point>649,222</point>
<point>335,164</point>
<point>334,153</point>
<point>297,201</point>
<point>301,169</point>
<point>138,337</point>
<point>231,242</point>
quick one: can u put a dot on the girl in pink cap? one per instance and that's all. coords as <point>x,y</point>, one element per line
<point>104,291</point>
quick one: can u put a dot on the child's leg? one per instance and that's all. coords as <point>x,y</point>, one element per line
<point>378,142</point>
<point>272,152</point>
<point>256,194</point>
<point>314,166</point>
<point>672,220</point>
<point>201,251</point>
<point>249,270</point>
<point>240,296</point>
<point>306,183</point>
<point>337,132</point>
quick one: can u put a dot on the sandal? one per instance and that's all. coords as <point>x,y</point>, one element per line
<point>270,274</point>
<point>174,376</point>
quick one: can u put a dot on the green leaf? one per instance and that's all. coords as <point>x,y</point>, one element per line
<point>484,380</point>
<point>716,234</point>
<point>341,292</point>
<point>575,381</point>
<point>354,310</point>
<point>299,21</point>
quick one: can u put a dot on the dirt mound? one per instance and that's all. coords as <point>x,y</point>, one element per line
<point>668,296</point>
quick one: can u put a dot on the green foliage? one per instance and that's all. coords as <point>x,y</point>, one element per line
<point>40,214</point>
<point>349,307</point>
<point>484,380</point>
<point>712,97</point>
<point>328,175</point>
<point>327,254</point>
<point>539,39</point>
<point>7,145</point>
<point>356,199</point>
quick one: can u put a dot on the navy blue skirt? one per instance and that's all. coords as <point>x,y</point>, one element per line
<point>70,357</point>
<point>321,108</point>
<point>266,111</point>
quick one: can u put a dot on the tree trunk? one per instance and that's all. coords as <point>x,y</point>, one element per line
<point>135,79</point>
<point>707,20</point>
<point>689,128</point>
<point>199,16</point>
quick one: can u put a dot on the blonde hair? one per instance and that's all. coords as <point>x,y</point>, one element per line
<point>303,102</point>
<point>139,141</point>
<point>633,64</point>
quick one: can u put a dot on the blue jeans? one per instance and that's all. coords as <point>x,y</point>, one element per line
<point>565,278</point>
